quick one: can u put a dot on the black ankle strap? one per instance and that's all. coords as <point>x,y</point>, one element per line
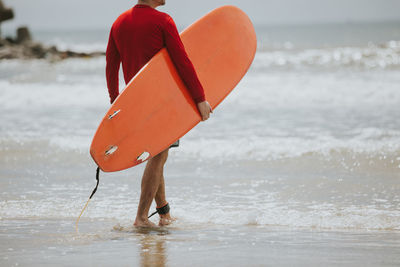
<point>163,210</point>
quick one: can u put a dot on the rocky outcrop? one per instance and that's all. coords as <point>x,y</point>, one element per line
<point>11,49</point>
<point>23,46</point>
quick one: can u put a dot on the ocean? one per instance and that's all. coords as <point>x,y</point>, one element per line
<point>300,165</point>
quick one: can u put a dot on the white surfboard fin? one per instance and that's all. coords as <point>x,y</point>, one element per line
<point>111,150</point>
<point>114,114</point>
<point>142,157</point>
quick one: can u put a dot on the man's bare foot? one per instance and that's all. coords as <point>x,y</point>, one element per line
<point>143,223</point>
<point>166,219</point>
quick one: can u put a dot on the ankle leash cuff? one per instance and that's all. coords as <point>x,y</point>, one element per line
<point>163,210</point>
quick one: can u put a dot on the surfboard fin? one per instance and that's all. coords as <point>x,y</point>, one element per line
<point>145,155</point>
<point>114,114</point>
<point>111,150</point>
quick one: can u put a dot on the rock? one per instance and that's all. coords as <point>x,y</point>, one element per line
<point>53,49</point>
<point>10,40</point>
<point>10,52</point>
<point>35,50</point>
<point>23,35</point>
<point>5,13</point>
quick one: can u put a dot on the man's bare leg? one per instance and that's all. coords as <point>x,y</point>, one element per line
<point>161,201</point>
<point>150,185</point>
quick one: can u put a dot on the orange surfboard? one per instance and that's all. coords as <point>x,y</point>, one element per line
<point>156,110</point>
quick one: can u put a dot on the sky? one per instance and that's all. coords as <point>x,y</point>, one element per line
<point>99,14</point>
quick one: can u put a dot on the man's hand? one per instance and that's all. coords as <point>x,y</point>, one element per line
<point>205,110</point>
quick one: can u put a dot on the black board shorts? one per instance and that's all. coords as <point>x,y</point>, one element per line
<point>176,144</point>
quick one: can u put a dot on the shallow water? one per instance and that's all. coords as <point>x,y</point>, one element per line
<point>50,242</point>
<point>298,166</point>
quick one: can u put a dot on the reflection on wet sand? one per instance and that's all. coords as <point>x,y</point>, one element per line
<point>152,250</point>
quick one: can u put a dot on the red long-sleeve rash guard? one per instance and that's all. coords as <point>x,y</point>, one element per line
<point>135,37</point>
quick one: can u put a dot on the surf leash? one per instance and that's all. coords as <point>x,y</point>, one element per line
<point>87,203</point>
<point>163,210</point>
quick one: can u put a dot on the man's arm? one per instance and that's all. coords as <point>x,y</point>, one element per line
<point>182,62</point>
<point>185,67</point>
<point>113,60</point>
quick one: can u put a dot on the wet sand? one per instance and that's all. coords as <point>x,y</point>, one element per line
<point>107,243</point>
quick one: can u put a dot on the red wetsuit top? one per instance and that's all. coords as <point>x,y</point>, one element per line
<point>135,37</point>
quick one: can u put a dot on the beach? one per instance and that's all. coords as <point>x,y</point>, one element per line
<point>299,166</point>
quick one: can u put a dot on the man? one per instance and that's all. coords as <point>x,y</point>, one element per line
<point>135,37</point>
